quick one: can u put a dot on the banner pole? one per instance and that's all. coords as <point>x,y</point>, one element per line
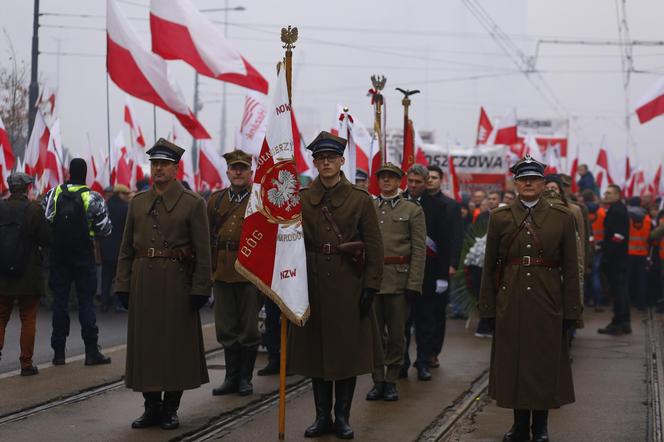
<point>288,38</point>
<point>406,105</point>
<point>108,131</point>
<point>378,82</point>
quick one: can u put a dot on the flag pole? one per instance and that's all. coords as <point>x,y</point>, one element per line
<point>378,82</point>
<point>406,105</point>
<point>288,38</point>
<point>154,122</point>
<point>108,130</point>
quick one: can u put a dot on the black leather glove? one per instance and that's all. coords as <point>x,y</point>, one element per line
<point>411,295</point>
<point>197,301</point>
<point>491,324</point>
<point>123,297</point>
<point>366,301</point>
<point>568,325</point>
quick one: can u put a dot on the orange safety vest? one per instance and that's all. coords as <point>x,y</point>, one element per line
<point>597,223</point>
<point>638,237</point>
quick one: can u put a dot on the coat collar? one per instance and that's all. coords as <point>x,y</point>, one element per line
<point>18,197</point>
<point>338,193</point>
<point>170,197</point>
<point>539,212</point>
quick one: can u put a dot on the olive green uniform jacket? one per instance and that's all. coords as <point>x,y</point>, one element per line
<point>164,340</point>
<point>38,235</point>
<point>530,366</point>
<point>404,233</point>
<point>336,343</point>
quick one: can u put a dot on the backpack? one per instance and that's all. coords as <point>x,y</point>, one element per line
<point>70,223</point>
<point>14,248</point>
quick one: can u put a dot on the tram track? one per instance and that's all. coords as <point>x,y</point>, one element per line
<point>655,377</point>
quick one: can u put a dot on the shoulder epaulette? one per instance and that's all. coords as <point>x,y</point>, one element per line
<point>142,192</point>
<point>561,207</point>
<point>361,189</point>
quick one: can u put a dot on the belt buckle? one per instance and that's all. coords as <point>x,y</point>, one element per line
<point>228,246</point>
<point>526,261</point>
<point>327,248</point>
<point>151,252</point>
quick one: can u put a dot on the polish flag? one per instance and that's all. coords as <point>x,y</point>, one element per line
<point>53,175</point>
<point>652,103</point>
<point>134,128</point>
<point>343,130</point>
<point>574,170</point>
<point>420,157</point>
<point>211,166</point>
<point>600,179</point>
<point>181,32</point>
<point>603,162</point>
<point>252,129</point>
<point>455,189</point>
<point>271,250</point>
<point>121,172</point>
<point>37,147</point>
<point>186,170</point>
<point>408,158</point>
<point>505,131</point>
<point>484,128</point>
<point>303,167</point>
<point>655,186</point>
<point>552,160</point>
<point>6,157</point>
<point>141,73</point>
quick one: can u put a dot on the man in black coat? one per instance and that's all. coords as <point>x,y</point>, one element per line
<point>436,274</point>
<point>614,260</point>
<point>118,205</point>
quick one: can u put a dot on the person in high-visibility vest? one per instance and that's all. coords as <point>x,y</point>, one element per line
<point>637,249</point>
<point>596,216</point>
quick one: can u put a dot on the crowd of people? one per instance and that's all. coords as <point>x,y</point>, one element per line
<point>165,252</point>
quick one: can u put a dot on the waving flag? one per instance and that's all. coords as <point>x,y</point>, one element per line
<point>141,73</point>
<point>505,131</point>
<point>6,157</point>
<point>484,128</point>
<point>37,147</point>
<point>408,159</point>
<point>134,128</point>
<point>211,167</point>
<point>652,103</point>
<point>271,252</point>
<point>180,31</point>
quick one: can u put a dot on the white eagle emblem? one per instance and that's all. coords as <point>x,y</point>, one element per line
<point>283,194</point>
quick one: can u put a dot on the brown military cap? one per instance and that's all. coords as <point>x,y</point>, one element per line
<point>389,167</point>
<point>238,156</point>
<point>326,142</point>
<point>165,150</point>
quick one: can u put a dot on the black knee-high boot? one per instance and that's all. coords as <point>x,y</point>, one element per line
<point>323,400</point>
<point>540,425</point>
<point>519,431</point>
<point>343,392</point>
<point>152,414</point>
<point>169,415</point>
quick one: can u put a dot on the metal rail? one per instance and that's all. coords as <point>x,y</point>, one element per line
<point>655,377</point>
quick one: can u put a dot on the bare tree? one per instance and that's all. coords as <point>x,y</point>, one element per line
<point>14,99</point>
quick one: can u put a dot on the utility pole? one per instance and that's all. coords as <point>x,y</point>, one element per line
<point>34,84</point>
<point>222,130</point>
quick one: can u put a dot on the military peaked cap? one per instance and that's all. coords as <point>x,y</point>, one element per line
<point>165,150</point>
<point>238,156</point>
<point>326,142</point>
<point>389,167</point>
<point>528,166</point>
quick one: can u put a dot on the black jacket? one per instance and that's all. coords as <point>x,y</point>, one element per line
<point>436,267</point>
<point>453,227</point>
<point>616,221</point>
<point>117,212</point>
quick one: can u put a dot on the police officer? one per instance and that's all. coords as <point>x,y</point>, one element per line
<point>236,301</point>
<point>339,341</point>
<point>77,215</point>
<point>163,278</point>
<point>530,293</point>
<point>403,228</point>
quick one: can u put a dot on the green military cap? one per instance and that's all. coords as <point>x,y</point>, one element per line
<point>237,156</point>
<point>389,167</point>
<point>19,179</point>
<point>165,150</point>
<point>327,142</point>
<point>528,166</point>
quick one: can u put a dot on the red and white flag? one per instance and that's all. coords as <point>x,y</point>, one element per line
<point>37,147</point>
<point>574,170</point>
<point>143,74</point>
<point>254,121</point>
<point>484,128</point>
<point>453,178</point>
<point>53,174</point>
<point>180,31</point>
<point>134,128</point>
<point>211,167</point>
<point>303,166</point>
<point>121,170</point>
<point>656,182</point>
<point>505,131</point>
<point>359,141</point>
<point>6,157</point>
<point>186,170</point>
<point>271,251</point>
<point>552,160</point>
<point>420,157</point>
<point>651,103</point>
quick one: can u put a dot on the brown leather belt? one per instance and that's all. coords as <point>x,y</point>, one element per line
<point>396,259</point>
<point>325,249</point>
<point>184,254</point>
<point>228,245</point>
<point>530,261</point>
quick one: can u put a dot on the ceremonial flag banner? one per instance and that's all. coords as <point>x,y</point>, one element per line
<point>408,157</point>
<point>180,31</point>
<point>142,73</point>
<point>252,129</point>
<point>37,147</point>
<point>271,252</point>
<point>652,103</point>
<point>6,157</point>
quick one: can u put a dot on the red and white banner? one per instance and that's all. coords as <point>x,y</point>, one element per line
<point>483,167</point>
<point>651,103</point>
<point>211,167</point>
<point>134,128</point>
<point>548,132</point>
<point>254,121</point>
<point>484,128</point>
<point>143,74</point>
<point>186,170</point>
<point>505,131</point>
<point>37,147</point>
<point>120,167</point>
<point>358,148</point>
<point>53,174</point>
<point>271,252</point>
<point>6,158</point>
<point>180,31</point>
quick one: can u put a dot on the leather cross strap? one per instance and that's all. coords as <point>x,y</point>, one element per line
<point>228,245</point>
<point>335,227</point>
<point>325,249</point>
<point>183,254</point>
<point>532,261</point>
<point>396,259</point>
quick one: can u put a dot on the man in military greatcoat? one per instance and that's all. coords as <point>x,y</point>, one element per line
<point>236,301</point>
<point>163,278</point>
<point>345,267</point>
<point>402,225</point>
<point>530,294</point>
